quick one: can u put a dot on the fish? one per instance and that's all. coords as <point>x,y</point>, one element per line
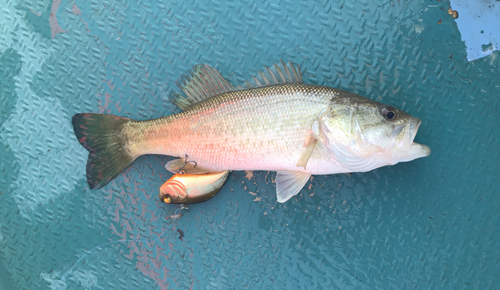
<point>185,188</point>
<point>275,122</point>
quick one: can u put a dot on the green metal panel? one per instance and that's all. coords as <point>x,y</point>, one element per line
<point>428,224</point>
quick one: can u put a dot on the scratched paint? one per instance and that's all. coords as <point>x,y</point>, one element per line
<point>55,28</point>
<point>48,155</point>
<point>103,108</point>
<point>10,64</point>
<point>159,242</point>
<point>76,10</point>
<point>10,168</point>
<point>45,22</point>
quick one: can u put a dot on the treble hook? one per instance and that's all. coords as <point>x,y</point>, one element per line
<point>181,171</point>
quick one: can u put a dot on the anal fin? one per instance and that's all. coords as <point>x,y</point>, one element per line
<point>289,183</point>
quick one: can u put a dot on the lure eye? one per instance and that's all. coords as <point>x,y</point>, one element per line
<point>389,113</point>
<point>167,198</point>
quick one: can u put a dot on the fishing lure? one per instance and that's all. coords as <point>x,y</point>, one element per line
<point>184,188</point>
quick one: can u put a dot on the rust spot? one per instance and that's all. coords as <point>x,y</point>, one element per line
<point>453,13</point>
<point>439,22</point>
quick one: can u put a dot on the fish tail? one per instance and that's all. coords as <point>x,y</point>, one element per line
<point>102,136</point>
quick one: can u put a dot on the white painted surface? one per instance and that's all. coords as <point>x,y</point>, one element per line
<point>479,25</point>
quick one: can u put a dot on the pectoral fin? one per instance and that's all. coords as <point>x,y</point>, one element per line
<point>289,183</point>
<point>307,153</point>
<point>174,166</point>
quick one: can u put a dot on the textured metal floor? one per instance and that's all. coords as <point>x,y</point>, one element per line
<point>428,224</point>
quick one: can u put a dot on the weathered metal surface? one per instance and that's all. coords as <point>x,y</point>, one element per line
<point>428,224</point>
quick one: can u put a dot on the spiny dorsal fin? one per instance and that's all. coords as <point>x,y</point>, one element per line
<point>280,73</point>
<point>200,83</point>
<point>203,82</point>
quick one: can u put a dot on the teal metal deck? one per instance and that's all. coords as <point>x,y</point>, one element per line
<point>428,224</point>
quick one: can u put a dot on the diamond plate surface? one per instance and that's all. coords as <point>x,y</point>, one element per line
<point>427,224</point>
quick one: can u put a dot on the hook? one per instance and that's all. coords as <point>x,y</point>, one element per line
<point>181,171</point>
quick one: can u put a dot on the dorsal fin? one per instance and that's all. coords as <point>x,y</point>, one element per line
<point>203,82</point>
<point>280,73</point>
<point>200,83</point>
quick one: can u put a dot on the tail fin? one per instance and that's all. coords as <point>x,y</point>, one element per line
<point>102,136</point>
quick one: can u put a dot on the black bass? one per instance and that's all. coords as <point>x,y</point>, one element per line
<point>275,123</point>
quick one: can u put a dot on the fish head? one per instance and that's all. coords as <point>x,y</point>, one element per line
<point>173,191</point>
<point>364,134</point>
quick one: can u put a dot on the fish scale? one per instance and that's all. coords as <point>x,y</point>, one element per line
<point>262,129</point>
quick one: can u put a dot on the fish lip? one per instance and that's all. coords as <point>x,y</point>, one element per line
<point>423,150</point>
<point>414,125</point>
<point>419,150</point>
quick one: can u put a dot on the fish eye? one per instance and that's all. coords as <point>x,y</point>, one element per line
<point>167,198</point>
<point>389,113</point>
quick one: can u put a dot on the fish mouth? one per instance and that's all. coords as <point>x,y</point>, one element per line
<point>413,150</point>
<point>416,150</point>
